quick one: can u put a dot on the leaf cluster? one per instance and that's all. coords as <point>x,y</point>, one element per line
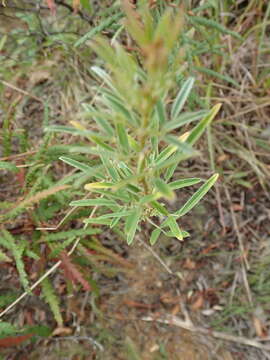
<point>138,135</point>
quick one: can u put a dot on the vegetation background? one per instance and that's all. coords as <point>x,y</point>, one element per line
<point>105,299</point>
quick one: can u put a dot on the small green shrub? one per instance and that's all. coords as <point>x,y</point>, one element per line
<point>136,136</point>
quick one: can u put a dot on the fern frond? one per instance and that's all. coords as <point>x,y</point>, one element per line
<point>17,250</point>
<point>53,301</point>
<point>6,299</point>
<point>4,257</point>
<point>33,200</point>
<point>7,329</point>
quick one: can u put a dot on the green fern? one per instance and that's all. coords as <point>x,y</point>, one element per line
<point>52,299</point>
<point>8,298</point>
<point>7,329</point>
<point>17,249</point>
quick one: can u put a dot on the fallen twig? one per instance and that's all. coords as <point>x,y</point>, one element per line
<point>176,321</point>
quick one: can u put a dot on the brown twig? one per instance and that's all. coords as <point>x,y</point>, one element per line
<point>176,321</point>
<point>13,87</point>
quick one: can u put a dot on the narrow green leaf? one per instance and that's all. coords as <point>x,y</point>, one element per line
<point>116,214</point>
<point>164,189</point>
<point>217,75</point>
<point>184,234</point>
<point>111,170</point>
<point>93,202</point>
<point>101,143</point>
<point>99,118</point>
<point>75,163</point>
<point>182,97</point>
<point>98,29</point>
<point>149,198</point>
<point>199,129</point>
<point>184,119</point>
<point>170,171</point>
<point>160,208</point>
<point>174,159</point>
<point>103,75</point>
<point>197,196</point>
<point>131,224</point>
<point>178,184</point>
<point>122,137</point>
<point>69,130</point>
<point>178,144</point>
<point>161,113</point>
<point>117,105</point>
<point>97,221</point>
<point>154,236</point>
<point>8,166</point>
<point>174,227</point>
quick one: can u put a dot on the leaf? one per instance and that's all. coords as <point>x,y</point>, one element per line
<point>69,130</point>
<point>160,208</point>
<point>4,257</point>
<point>154,236</point>
<point>98,185</point>
<point>174,227</point>
<point>98,29</point>
<point>118,106</point>
<point>8,166</point>
<point>184,119</point>
<point>39,330</point>
<point>181,98</point>
<point>34,199</point>
<point>122,137</point>
<point>17,251</point>
<point>93,202</point>
<point>52,299</point>
<point>177,144</point>
<point>7,329</point>
<point>161,113</point>
<point>14,340</point>
<point>131,224</point>
<point>178,184</point>
<point>164,189</point>
<point>72,271</point>
<point>213,24</point>
<point>197,196</point>
<point>100,119</point>
<point>199,129</point>
<point>75,163</point>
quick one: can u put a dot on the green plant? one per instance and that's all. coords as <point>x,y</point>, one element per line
<point>134,136</point>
